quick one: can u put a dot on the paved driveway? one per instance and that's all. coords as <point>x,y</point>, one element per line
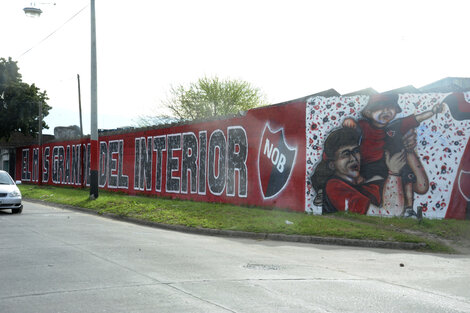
<point>57,260</point>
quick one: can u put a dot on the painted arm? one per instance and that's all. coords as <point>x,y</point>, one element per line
<point>421,185</point>
<point>344,197</point>
<point>437,108</point>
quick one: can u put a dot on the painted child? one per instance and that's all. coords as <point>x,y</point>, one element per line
<point>381,132</point>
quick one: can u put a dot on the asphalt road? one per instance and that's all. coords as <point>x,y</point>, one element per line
<point>57,260</point>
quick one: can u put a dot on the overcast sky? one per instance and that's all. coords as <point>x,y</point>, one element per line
<point>289,49</point>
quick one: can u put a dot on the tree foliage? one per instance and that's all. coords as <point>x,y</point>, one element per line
<point>19,102</point>
<point>210,97</point>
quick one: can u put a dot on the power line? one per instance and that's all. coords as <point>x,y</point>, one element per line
<point>48,36</point>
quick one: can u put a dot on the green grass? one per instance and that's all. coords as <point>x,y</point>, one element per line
<point>231,217</point>
<point>448,229</point>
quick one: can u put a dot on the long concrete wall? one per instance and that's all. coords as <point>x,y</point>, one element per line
<point>256,159</point>
<point>280,156</point>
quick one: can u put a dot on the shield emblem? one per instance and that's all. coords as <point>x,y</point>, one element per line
<point>276,159</point>
<point>464,184</point>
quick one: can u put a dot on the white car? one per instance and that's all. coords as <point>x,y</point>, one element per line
<point>10,195</point>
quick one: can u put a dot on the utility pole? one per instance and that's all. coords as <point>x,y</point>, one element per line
<point>40,165</point>
<point>94,155</point>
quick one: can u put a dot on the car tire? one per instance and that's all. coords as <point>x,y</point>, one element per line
<point>17,211</point>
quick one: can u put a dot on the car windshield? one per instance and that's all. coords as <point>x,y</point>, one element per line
<point>5,179</point>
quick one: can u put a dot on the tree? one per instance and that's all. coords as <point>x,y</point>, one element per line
<point>19,102</point>
<point>210,97</point>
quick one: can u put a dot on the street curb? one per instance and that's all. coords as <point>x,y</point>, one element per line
<point>248,235</point>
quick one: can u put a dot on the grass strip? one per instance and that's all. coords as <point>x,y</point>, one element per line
<point>252,219</point>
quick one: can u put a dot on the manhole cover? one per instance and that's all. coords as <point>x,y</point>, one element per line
<point>265,267</point>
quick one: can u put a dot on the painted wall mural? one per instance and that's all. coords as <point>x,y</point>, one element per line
<point>385,155</point>
<point>256,159</point>
<point>389,155</point>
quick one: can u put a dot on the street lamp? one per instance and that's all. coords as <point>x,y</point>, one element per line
<point>33,11</point>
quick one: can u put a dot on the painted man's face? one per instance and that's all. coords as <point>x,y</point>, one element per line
<point>347,162</point>
<point>383,117</point>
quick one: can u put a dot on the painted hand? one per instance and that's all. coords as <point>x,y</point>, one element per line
<point>395,162</point>
<point>438,108</point>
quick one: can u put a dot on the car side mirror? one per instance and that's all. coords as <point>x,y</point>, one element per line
<point>18,182</point>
